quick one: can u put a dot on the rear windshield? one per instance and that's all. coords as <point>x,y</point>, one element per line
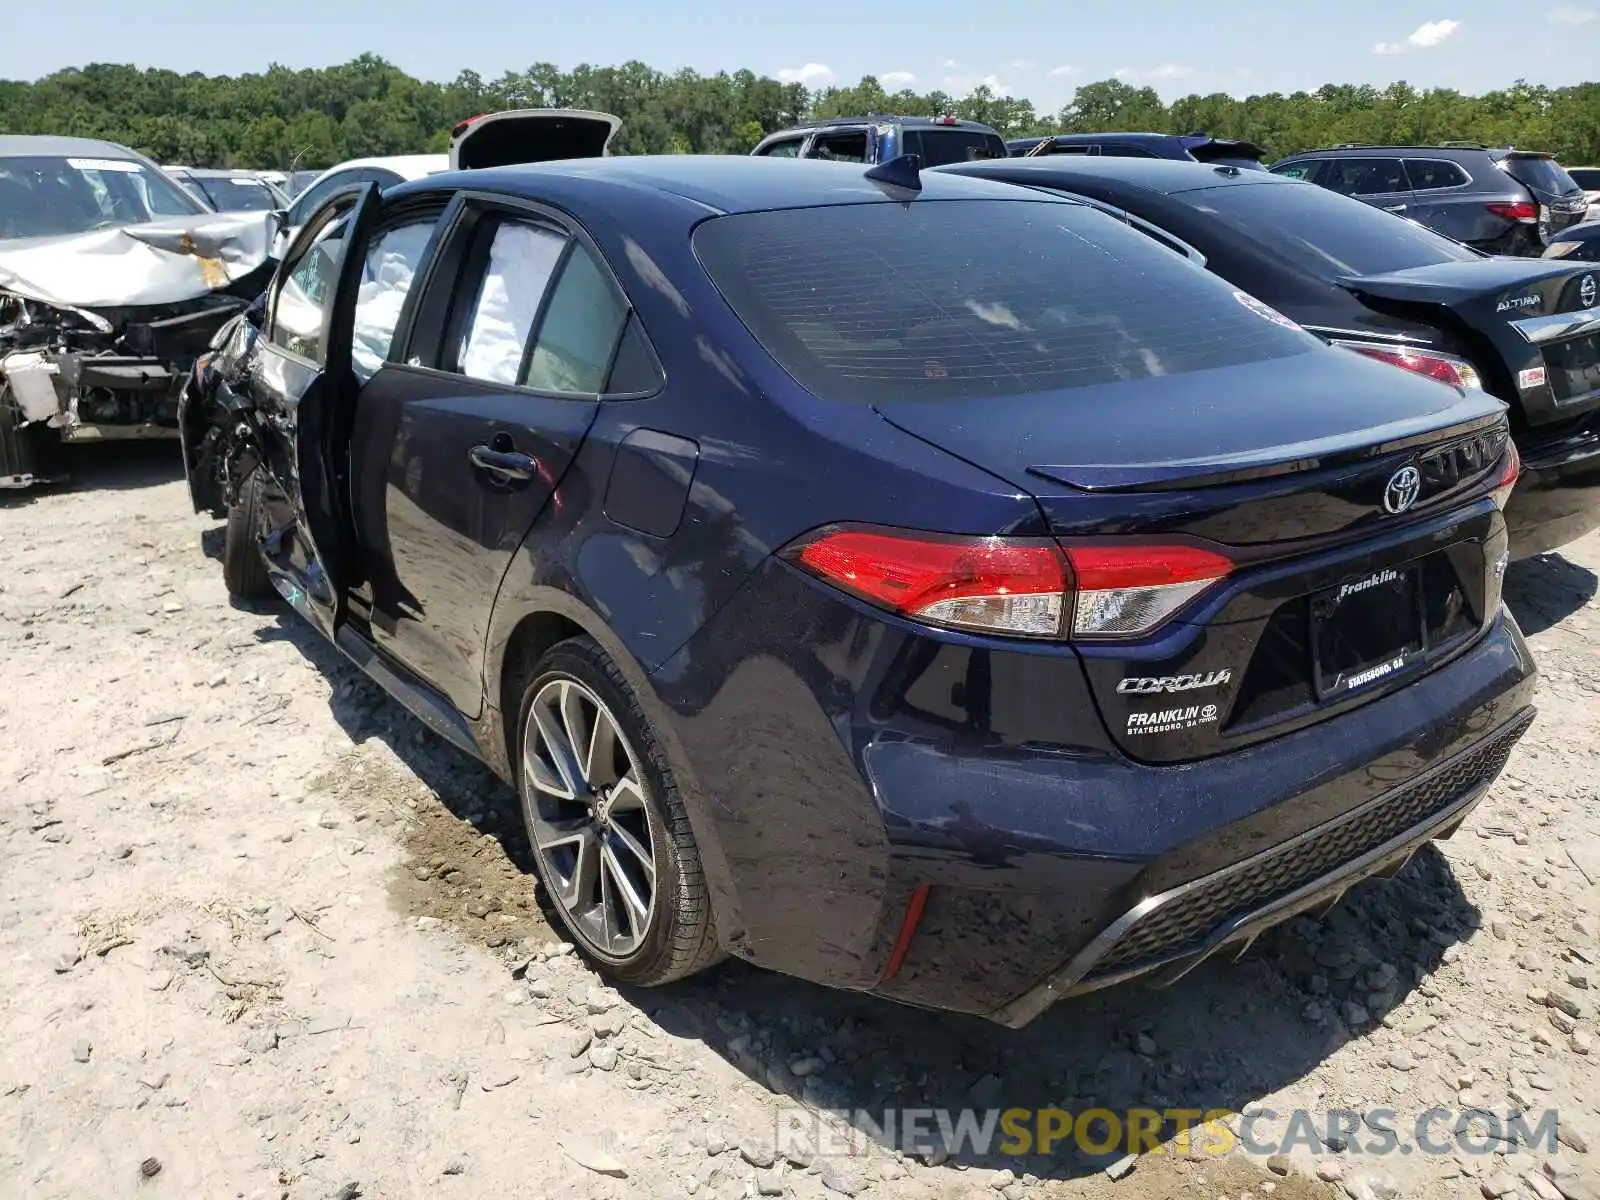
<point>1588,178</point>
<point>1544,174</point>
<point>1327,232</point>
<point>955,300</point>
<point>238,194</point>
<point>940,146</point>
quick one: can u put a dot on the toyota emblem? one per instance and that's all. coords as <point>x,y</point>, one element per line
<point>1402,490</point>
<point>1587,291</point>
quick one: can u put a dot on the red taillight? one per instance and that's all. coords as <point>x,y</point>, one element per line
<point>997,585</point>
<point>461,127</point>
<point>946,120</point>
<point>1019,587</point>
<point>1446,368</point>
<point>1514,210</point>
<point>1124,591</point>
<point>1508,477</point>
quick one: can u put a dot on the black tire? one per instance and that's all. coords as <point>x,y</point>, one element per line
<point>244,570</point>
<point>681,937</point>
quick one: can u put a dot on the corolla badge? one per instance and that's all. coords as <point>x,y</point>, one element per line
<point>1402,490</point>
<point>1588,291</point>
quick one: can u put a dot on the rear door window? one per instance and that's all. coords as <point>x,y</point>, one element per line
<point>1426,174</point>
<point>788,148</point>
<point>1365,176</point>
<point>1299,170</point>
<point>961,300</point>
<point>849,146</point>
<point>522,259</point>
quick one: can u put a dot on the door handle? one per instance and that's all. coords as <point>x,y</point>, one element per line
<point>1394,208</point>
<point>508,464</point>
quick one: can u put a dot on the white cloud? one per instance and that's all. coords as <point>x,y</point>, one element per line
<point>965,85</point>
<point>1165,72</point>
<point>1063,70</point>
<point>949,64</point>
<point>893,81</point>
<point>1431,33</point>
<point>813,74</point>
<point>1424,37</point>
<point>1022,64</point>
<point>1572,16</point>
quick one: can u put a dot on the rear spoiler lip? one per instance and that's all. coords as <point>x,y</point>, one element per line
<point>1470,414</point>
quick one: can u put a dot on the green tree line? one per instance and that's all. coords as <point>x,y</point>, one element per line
<point>317,117</point>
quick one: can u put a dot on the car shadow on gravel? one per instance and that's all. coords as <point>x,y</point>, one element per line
<point>1221,1038</point>
<point>107,467</point>
<point>467,859</point>
<point>1544,590</point>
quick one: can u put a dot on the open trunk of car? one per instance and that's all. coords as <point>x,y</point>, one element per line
<point>525,135</point>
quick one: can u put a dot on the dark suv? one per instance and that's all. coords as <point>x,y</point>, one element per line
<point>1192,147</point>
<point>877,139</point>
<point>1501,201</point>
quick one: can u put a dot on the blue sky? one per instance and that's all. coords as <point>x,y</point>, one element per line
<point>1033,48</point>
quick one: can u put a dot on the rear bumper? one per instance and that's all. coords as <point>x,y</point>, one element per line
<point>1167,935</point>
<point>841,763</point>
<point>1557,497</point>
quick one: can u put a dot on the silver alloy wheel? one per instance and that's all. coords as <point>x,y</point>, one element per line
<point>595,835</point>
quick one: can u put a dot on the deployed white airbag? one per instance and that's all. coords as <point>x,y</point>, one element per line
<point>521,261</point>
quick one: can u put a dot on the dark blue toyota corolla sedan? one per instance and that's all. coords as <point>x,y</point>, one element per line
<point>917,585</point>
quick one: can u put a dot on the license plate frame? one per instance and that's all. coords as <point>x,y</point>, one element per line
<point>1347,660</point>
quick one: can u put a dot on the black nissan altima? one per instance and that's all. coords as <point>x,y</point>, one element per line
<point>912,583</point>
<point>1526,330</point>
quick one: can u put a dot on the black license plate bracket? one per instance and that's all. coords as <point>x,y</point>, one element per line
<point>1367,630</point>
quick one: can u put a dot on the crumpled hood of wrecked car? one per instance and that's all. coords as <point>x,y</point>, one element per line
<point>159,262</point>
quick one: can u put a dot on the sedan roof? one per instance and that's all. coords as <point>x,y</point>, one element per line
<point>24,145</point>
<point>723,183</point>
<point>1169,177</point>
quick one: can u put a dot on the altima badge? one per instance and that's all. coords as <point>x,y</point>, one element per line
<point>1402,490</point>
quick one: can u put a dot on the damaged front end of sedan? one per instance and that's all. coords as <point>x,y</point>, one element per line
<point>99,330</point>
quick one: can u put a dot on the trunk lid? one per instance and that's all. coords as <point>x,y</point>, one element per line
<point>1291,469</point>
<point>1535,324</point>
<point>526,135</point>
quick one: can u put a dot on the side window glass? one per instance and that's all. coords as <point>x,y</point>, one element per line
<point>1366,176</point>
<point>636,370</point>
<point>308,203</point>
<point>1300,170</point>
<point>391,264</point>
<point>841,147</point>
<point>784,149</point>
<point>579,331</point>
<point>522,259</point>
<point>306,292</point>
<point>1428,173</point>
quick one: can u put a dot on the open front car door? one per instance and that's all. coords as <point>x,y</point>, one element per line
<point>303,384</point>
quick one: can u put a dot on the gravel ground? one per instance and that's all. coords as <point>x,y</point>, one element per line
<point>269,938</point>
